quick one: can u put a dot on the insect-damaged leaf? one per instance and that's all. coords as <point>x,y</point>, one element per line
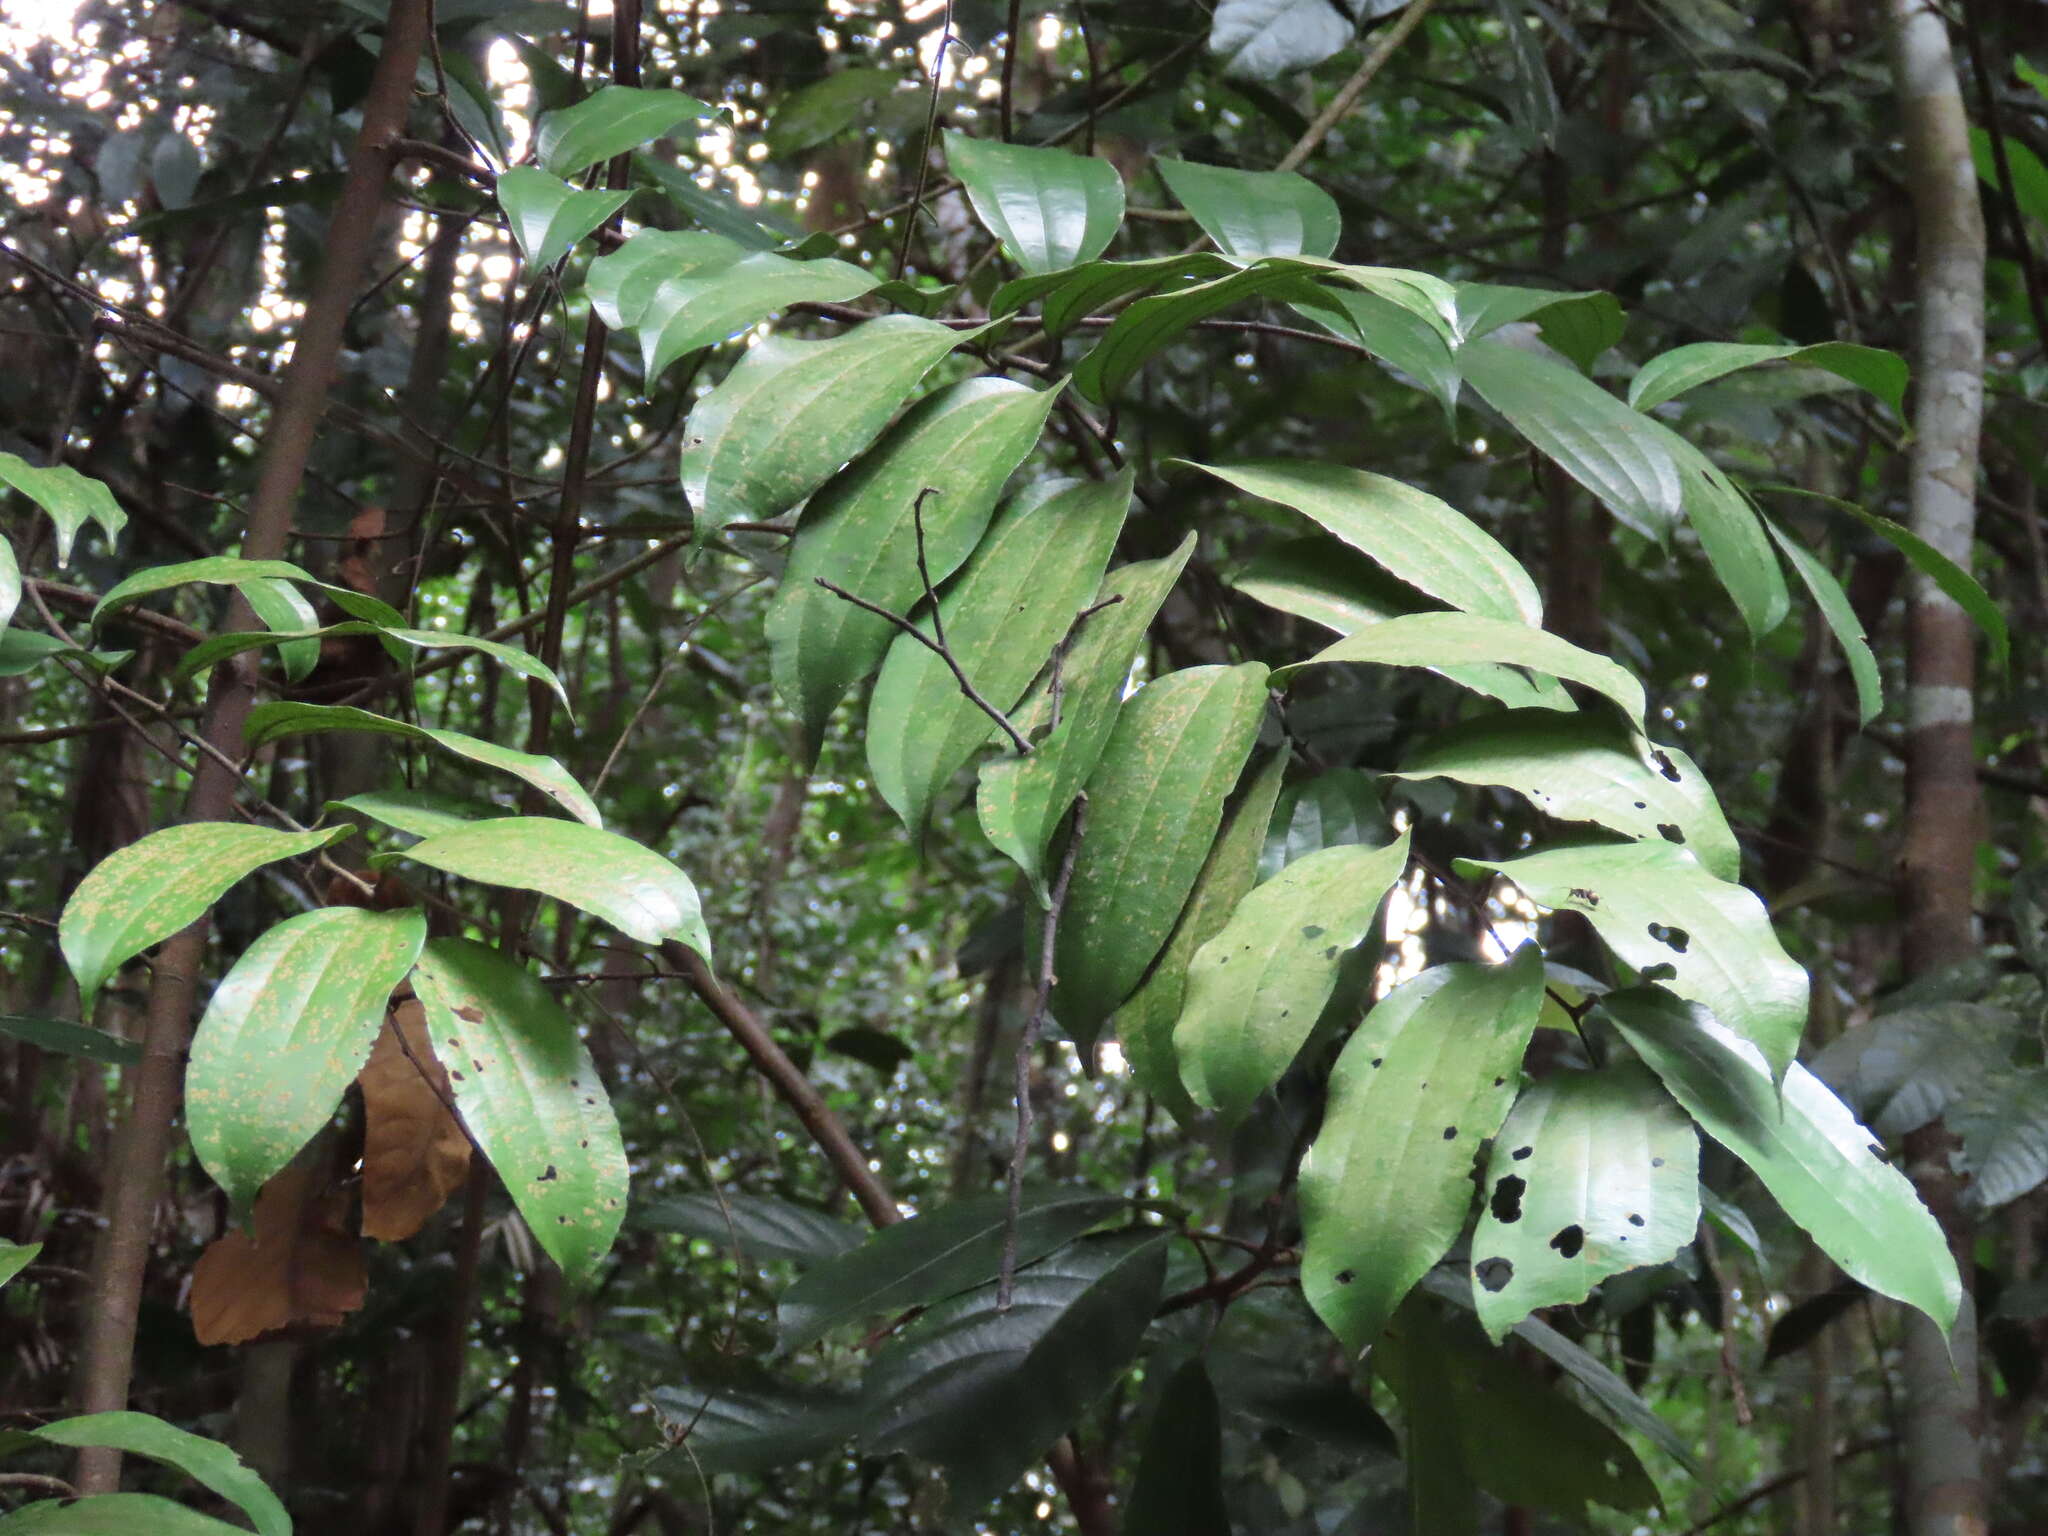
<point>525,1086</point>
<point>414,1153</point>
<point>298,1265</point>
<point>1051,208</point>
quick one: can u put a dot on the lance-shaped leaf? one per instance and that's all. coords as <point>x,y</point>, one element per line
<point>609,122</point>
<point>984,1391</point>
<point>232,570</point>
<point>115,1514</point>
<point>1840,615</point>
<point>1179,1488</point>
<point>217,648</point>
<point>1069,296</point>
<point>1579,325</point>
<point>760,1226</point>
<point>280,605</point>
<point>1016,599</point>
<point>72,500</point>
<point>1154,803</point>
<point>1659,910</point>
<point>23,650</point>
<point>697,308</point>
<point>1394,334</point>
<point>416,812</point>
<point>1337,807</point>
<point>1732,534</point>
<point>621,283</point>
<point>933,1256</point>
<point>1256,989</point>
<point>65,1038</point>
<point>633,888</point>
<point>1592,1174</point>
<point>1437,640</point>
<point>1049,207</point>
<point>1144,1025</point>
<point>753,1429</point>
<point>791,412</point>
<point>1250,214</point>
<point>284,717</point>
<point>821,112</point>
<point>1672,373</point>
<point>206,1462</point>
<point>15,1257</point>
<point>155,886</point>
<point>525,1086</point>
<point>548,216</point>
<point>1420,1085</point>
<point>286,1031</point>
<point>1825,1171</point>
<point>1022,799</point>
<point>1425,542</point>
<point>859,532</point>
<point>1154,323</point>
<point>1587,768</point>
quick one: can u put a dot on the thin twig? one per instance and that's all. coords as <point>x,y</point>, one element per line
<point>1348,93</point>
<point>924,158</point>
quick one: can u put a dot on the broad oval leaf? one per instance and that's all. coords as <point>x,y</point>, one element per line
<point>1672,373</point>
<point>159,884</point>
<point>1050,208</point>
<point>72,500</point>
<point>1592,1174</point>
<point>548,216</point>
<point>525,1086</point>
<point>1154,803</point>
<point>633,888</point>
<point>1250,214</point>
<point>114,1514</point>
<point>1826,1172</point>
<point>698,308</point>
<point>286,1032</point>
<point>621,283</point>
<point>1256,989</point>
<point>762,1227</point>
<point>610,122</point>
<point>206,1462</point>
<point>1421,1084</point>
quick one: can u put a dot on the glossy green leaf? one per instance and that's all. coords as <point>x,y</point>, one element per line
<point>1022,800</point>
<point>150,889</point>
<point>15,1257</point>
<point>1152,324</point>
<point>548,216</point>
<point>762,1227</point>
<point>416,812</point>
<point>1424,541</point>
<point>1069,296</point>
<point>1393,333</point>
<point>1051,208</point>
<point>231,570</point>
<point>282,718</point>
<point>1250,214</point>
<point>114,1514</point>
<point>1016,599</point>
<point>1840,614</point>
<point>1592,1174</point>
<point>1419,1087</point>
<point>610,122</point>
<point>206,1462</point>
<point>280,605</point>
<point>1732,534</point>
<point>1587,768</point>
<point>1154,803</point>
<point>1672,373</point>
<point>984,1392</point>
<point>527,1090</point>
<point>752,1429</point>
<point>828,108</point>
<point>613,878</point>
<point>70,499</point>
<point>791,412</point>
<point>858,532</point>
<point>1825,1171</point>
<point>1179,1487</point>
<point>286,1031</point>
<point>706,305</point>
<point>217,648</point>
<point>23,650</point>
<point>714,208</point>
<point>68,1039</point>
<point>1435,639</point>
<point>1256,989</point>
<point>1337,807</point>
<point>621,283</point>
<point>1579,325</point>
<point>1706,939</point>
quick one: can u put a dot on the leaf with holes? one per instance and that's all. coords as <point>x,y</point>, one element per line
<point>1051,208</point>
<point>762,1227</point>
<point>1250,214</point>
<point>708,304</point>
<point>206,1462</point>
<point>70,499</point>
<point>525,1086</point>
<point>286,1032</point>
<point>1671,374</point>
<point>1256,989</point>
<point>1420,1085</point>
<point>610,122</point>
<point>548,216</point>
<point>150,889</point>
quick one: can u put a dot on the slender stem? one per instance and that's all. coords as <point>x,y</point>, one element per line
<point>1348,93</point>
<point>924,157</point>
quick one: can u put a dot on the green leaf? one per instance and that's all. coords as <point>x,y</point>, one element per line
<point>1179,1488</point>
<point>752,1429</point>
<point>1587,768</point>
<point>527,1090</point>
<point>2029,175</point>
<point>1264,39</point>
<point>1579,325</point>
<point>1152,324</point>
<point>114,1514</point>
<point>1154,803</point>
<point>1394,334</point>
<point>282,718</point>
<point>1256,989</point>
<point>1050,208</point>
<point>613,878</point>
<point>1706,939</point>
<point>68,1039</point>
<point>153,887</point>
<point>1022,800</point>
<point>1434,639</point>
<point>1250,214</point>
<point>621,283</point>
<point>10,584</point>
<point>1593,1174</point>
<point>610,122</point>
<point>1080,291</point>
<point>1731,532</point>
<point>1671,374</point>
<point>791,412</point>
<point>823,111</point>
<point>1419,1087</point>
<point>1425,542</point>
<point>15,1257</point>
<point>1909,1066</point>
<point>548,216</point>
<point>416,812</point>
<point>23,650</point>
<point>984,1392</point>
<point>2004,1125</point>
<point>279,605</point>
<point>1825,1171</point>
<point>216,649</point>
<point>858,532</point>
<point>705,305</point>
<point>72,500</point>
<point>1016,599</point>
<point>206,1462</point>
<point>933,1256</point>
<point>763,1228</point>
<point>1337,807</point>
<point>1840,615</point>
<point>231,570</point>
<point>758,228</point>
<point>286,1031</point>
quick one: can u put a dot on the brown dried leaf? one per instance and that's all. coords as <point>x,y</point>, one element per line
<point>414,1153</point>
<point>300,1266</point>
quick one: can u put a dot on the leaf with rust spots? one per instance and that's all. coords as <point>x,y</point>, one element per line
<point>414,1153</point>
<point>299,1267</point>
